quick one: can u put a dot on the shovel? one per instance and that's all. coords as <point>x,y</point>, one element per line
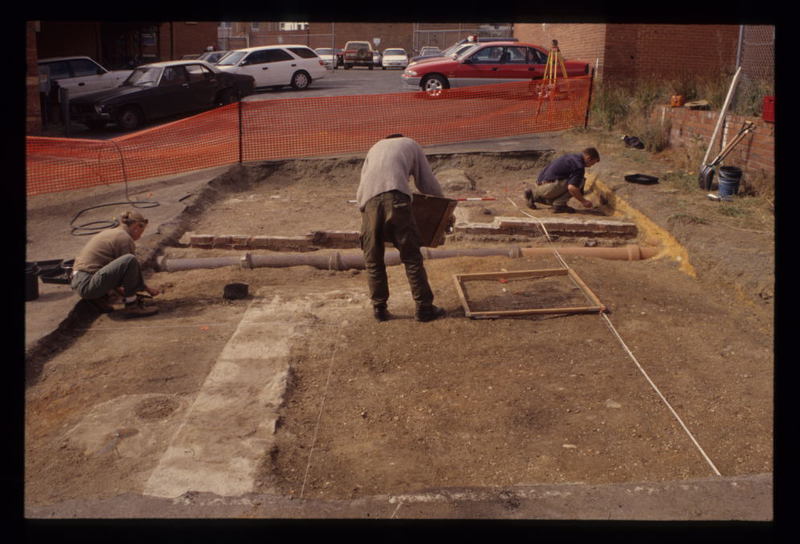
<point>706,175</point>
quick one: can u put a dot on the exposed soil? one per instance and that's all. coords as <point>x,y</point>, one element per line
<point>401,406</point>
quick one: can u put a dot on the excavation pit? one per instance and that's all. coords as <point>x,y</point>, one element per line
<point>400,407</point>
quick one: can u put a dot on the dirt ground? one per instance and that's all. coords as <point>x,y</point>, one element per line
<point>400,406</point>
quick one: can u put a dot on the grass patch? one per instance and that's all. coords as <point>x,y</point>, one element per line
<point>729,209</point>
<point>681,180</point>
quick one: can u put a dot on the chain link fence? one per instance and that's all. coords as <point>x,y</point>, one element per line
<point>756,57</point>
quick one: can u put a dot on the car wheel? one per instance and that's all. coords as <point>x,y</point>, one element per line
<point>348,66</point>
<point>383,67</point>
<point>434,84</point>
<point>228,96</point>
<point>130,118</point>
<point>371,67</point>
<point>301,80</point>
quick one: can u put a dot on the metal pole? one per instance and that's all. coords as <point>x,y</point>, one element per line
<point>722,114</point>
<point>739,47</point>
<point>63,99</point>
<point>241,137</point>
<point>589,101</point>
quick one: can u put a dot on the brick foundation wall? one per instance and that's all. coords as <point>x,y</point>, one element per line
<point>755,154</point>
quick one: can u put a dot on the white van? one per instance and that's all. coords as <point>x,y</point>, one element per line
<point>276,65</point>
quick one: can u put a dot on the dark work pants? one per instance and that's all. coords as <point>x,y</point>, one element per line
<point>121,272</point>
<point>387,217</point>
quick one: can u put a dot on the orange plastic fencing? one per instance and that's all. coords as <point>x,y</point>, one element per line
<point>305,127</point>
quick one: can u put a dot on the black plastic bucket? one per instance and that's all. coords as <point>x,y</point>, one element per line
<point>729,178</point>
<point>31,281</point>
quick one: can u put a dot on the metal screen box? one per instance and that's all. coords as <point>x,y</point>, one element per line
<point>432,215</point>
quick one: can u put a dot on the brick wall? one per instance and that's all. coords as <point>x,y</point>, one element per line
<point>584,42</point>
<point>631,51</point>
<point>672,50</point>
<point>755,154</point>
<point>33,110</point>
<point>181,38</point>
<point>67,38</point>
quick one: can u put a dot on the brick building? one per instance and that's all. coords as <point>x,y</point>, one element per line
<point>630,52</point>
<point>409,36</point>
<point>114,45</point>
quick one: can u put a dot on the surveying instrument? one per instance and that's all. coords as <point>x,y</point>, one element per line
<point>549,84</point>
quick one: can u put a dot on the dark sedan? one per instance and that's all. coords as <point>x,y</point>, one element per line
<point>158,90</point>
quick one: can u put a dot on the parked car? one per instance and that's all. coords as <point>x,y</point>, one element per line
<point>212,57</point>
<point>394,58</point>
<point>79,75</point>
<point>158,90</point>
<point>276,65</point>
<point>358,54</point>
<point>330,57</point>
<point>483,64</point>
<point>460,46</point>
<point>427,51</point>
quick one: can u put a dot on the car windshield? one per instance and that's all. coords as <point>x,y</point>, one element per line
<point>231,58</point>
<point>145,76</point>
<point>212,56</point>
<point>394,52</point>
<point>463,50</point>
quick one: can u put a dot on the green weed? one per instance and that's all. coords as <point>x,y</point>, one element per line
<point>730,209</point>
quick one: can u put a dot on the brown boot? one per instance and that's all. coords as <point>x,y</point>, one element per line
<point>429,313</point>
<point>139,309</point>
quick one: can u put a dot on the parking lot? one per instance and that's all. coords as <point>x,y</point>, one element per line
<point>338,82</point>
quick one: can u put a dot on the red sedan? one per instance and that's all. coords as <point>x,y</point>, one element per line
<point>485,64</point>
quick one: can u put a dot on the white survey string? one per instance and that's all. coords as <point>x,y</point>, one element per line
<point>628,351</point>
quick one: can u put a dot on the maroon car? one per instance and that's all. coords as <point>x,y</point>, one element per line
<point>484,64</point>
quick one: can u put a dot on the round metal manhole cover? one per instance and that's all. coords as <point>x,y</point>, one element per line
<point>155,408</point>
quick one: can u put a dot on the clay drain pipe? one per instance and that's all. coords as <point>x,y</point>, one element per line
<point>355,260</point>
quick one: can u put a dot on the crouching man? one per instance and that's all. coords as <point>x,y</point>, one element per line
<point>561,180</point>
<point>384,199</point>
<point>108,264</point>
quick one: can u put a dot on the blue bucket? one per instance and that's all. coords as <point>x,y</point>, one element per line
<point>729,178</point>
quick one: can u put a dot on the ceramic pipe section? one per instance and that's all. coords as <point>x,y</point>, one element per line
<point>353,260</point>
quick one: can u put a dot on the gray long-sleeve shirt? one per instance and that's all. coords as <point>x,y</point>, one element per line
<point>387,167</point>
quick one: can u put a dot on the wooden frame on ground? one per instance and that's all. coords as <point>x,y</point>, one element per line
<point>596,306</point>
